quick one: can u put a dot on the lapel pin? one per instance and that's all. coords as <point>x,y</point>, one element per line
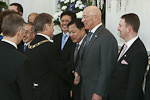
<point>125,55</point>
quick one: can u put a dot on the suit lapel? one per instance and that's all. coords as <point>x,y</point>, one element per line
<point>94,37</point>
<point>130,50</point>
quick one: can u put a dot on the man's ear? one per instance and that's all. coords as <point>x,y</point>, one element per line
<point>129,28</point>
<point>46,27</point>
<point>20,13</point>
<point>83,29</point>
<point>19,33</point>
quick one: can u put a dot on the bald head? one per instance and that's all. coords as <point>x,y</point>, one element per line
<point>93,10</point>
<point>32,16</point>
<point>91,17</point>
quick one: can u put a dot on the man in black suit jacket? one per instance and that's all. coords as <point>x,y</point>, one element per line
<point>65,48</point>
<point>15,79</point>
<point>47,69</point>
<point>98,57</point>
<point>147,87</point>
<point>128,76</point>
<point>77,34</point>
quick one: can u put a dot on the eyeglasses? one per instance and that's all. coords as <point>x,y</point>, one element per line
<point>85,17</point>
<point>28,31</point>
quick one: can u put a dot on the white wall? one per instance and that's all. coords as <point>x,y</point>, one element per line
<point>38,6</point>
<point>140,7</point>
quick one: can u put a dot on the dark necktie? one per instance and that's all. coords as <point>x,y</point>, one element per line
<point>24,47</point>
<point>88,38</point>
<point>76,51</point>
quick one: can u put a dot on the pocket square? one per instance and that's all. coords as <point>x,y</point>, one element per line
<point>124,62</point>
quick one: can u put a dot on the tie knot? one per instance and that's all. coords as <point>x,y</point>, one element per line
<point>89,34</point>
<point>77,45</point>
<point>65,35</point>
<point>125,46</point>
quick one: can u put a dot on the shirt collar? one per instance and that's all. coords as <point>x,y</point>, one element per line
<point>47,37</point>
<point>130,42</point>
<point>66,33</point>
<point>12,43</point>
<point>81,41</point>
<point>95,28</point>
<point>26,43</point>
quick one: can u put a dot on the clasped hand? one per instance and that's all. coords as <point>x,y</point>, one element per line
<point>77,78</point>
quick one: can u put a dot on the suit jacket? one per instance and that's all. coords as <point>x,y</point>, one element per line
<point>66,52</point>
<point>96,66</point>
<point>15,79</point>
<point>76,89</point>
<point>128,76</point>
<point>47,70</point>
<point>21,48</point>
<point>66,57</point>
<point>147,88</point>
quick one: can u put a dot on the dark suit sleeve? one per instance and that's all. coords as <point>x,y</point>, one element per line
<point>147,87</point>
<point>58,65</point>
<point>24,81</point>
<point>108,55</point>
<point>136,76</point>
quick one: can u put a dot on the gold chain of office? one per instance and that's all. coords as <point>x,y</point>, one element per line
<point>37,44</point>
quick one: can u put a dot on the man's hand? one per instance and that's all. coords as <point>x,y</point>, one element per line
<point>77,78</point>
<point>96,97</point>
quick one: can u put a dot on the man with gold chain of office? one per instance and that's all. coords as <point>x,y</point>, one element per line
<point>46,64</point>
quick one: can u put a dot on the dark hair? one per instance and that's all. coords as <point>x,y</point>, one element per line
<point>41,20</point>
<point>11,24</point>
<point>30,23</point>
<point>19,7</point>
<point>5,13</point>
<point>133,20</point>
<point>69,13</point>
<point>77,22</point>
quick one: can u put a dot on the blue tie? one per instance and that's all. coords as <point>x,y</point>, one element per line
<point>63,41</point>
<point>24,48</point>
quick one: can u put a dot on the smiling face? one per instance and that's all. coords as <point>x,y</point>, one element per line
<point>64,22</point>
<point>29,35</point>
<point>88,19</point>
<point>123,29</point>
<point>76,34</point>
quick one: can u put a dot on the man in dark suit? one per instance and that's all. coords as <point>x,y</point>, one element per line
<point>77,33</point>
<point>47,69</point>
<point>128,76</point>
<point>147,87</point>
<point>15,79</point>
<point>98,57</point>
<point>64,42</point>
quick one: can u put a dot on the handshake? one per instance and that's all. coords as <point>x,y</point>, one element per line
<point>76,79</point>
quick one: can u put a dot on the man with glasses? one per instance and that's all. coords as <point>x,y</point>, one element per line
<point>29,36</point>
<point>98,57</point>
